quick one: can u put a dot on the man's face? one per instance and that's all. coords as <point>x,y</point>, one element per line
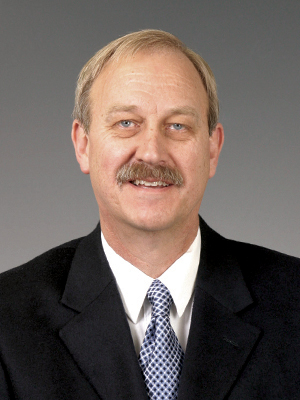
<point>150,109</point>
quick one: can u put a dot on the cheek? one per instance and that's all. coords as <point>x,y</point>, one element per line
<point>195,163</point>
<point>106,158</point>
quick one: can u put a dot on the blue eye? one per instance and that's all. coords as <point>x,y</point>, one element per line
<point>125,123</point>
<point>177,127</point>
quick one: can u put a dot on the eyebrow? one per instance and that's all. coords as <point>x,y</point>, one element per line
<point>185,110</point>
<point>119,108</point>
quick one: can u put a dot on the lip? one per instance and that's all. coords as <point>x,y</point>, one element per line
<point>154,180</point>
<point>154,188</point>
<point>148,183</point>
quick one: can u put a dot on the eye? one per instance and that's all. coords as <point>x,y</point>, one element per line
<point>177,127</point>
<point>126,123</point>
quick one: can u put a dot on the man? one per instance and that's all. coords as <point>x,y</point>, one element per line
<point>84,320</point>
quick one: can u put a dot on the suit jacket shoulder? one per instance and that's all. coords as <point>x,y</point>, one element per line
<point>244,336</point>
<point>61,320</point>
<point>52,265</point>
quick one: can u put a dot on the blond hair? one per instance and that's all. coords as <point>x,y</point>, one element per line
<point>128,45</point>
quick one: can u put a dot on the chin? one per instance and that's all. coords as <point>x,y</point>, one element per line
<point>152,221</point>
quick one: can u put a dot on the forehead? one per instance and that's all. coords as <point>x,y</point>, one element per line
<point>160,74</point>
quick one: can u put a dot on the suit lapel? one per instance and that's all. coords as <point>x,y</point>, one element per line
<point>98,337</point>
<point>220,342</point>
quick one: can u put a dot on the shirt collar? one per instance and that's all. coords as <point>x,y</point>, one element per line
<point>133,284</point>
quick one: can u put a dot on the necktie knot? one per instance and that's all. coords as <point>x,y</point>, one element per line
<point>160,299</point>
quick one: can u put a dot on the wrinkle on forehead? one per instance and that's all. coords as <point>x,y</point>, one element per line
<point>134,67</point>
<point>154,75</point>
<point>149,79</point>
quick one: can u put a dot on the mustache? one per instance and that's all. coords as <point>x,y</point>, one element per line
<point>142,171</point>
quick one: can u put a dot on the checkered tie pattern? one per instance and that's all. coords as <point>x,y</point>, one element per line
<point>161,356</point>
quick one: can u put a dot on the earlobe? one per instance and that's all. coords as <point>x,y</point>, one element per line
<point>216,143</point>
<point>80,141</point>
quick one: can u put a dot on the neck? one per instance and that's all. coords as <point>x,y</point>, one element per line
<point>153,252</point>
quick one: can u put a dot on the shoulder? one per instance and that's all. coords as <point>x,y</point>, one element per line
<point>49,269</point>
<point>264,270</point>
<point>250,257</point>
<point>271,276</point>
<point>254,258</point>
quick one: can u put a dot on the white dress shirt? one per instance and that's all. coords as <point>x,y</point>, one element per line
<point>133,284</point>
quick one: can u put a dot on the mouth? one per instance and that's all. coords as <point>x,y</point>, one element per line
<point>149,184</point>
<point>145,176</point>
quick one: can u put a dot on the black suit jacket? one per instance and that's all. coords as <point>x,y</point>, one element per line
<point>64,333</point>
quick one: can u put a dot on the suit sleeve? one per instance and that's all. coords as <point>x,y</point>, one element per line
<point>4,391</point>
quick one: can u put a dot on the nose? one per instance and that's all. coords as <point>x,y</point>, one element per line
<point>152,147</point>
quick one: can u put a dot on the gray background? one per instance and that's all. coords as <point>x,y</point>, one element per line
<point>253,48</point>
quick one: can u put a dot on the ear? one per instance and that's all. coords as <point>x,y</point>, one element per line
<point>216,141</point>
<point>80,141</point>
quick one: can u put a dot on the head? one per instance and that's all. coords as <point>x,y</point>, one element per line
<point>145,129</point>
<point>129,45</point>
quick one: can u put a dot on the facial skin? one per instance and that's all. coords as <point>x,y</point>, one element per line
<point>150,109</point>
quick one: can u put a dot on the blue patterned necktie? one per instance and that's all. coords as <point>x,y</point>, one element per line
<point>161,356</point>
